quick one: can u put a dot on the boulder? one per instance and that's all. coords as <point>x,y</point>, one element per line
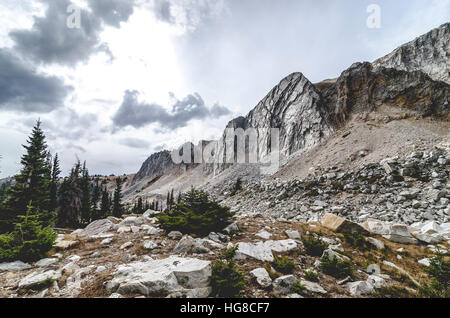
<point>400,233</point>
<point>341,225</point>
<point>150,245</point>
<point>262,277</point>
<point>264,234</point>
<point>156,277</point>
<point>65,245</point>
<point>46,262</point>
<point>360,288</point>
<point>36,278</point>
<point>96,228</point>
<point>175,235</point>
<point>376,281</point>
<point>313,287</point>
<point>254,250</point>
<point>295,235</point>
<point>282,245</point>
<point>14,266</point>
<point>284,284</point>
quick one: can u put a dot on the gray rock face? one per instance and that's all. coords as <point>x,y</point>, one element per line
<point>295,107</point>
<point>362,87</point>
<point>428,53</point>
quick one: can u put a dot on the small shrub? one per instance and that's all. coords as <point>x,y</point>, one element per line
<point>28,242</point>
<point>393,292</point>
<point>237,187</point>
<point>283,265</point>
<point>312,276</point>
<point>229,253</point>
<point>196,214</point>
<point>298,288</point>
<point>314,246</point>
<point>439,272</point>
<point>226,280</point>
<point>357,240</point>
<point>335,267</point>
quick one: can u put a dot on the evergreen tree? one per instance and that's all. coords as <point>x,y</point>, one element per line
<point>140,206</point>
<point>96,215</point>
<point>32,183</point>
<point>117,205</point>
<point>105,206</point>
<point>71,199</point>
<point>85,186</point>
<point>54,183</point>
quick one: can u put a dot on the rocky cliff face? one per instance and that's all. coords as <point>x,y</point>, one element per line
<point>295,106</point>
<point>364,87</point>
<point>156,165</point>
<point>428,53</point>
<point>414,79</point>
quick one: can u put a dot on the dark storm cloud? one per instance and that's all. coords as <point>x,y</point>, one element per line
<point>22,89</point>
<point>50,40</point>
<point>135,143</point>
<point>137,114</point>
<point>112,11</point>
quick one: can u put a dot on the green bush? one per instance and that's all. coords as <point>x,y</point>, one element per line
<point>196,214</point>
<point>314,246</point>
<point>311,275</point>
<point>335,267</point>
<point>230,252</point>
<point>283,265</point>
<point>28,242</point>
<point>226,280</point>
<point>357,240</point>
<point>439,271</point>
<point>298,288</point>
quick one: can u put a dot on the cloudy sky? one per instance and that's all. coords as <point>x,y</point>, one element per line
<point>137,76</point>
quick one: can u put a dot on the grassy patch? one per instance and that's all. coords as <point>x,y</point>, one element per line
<point>335,267</point>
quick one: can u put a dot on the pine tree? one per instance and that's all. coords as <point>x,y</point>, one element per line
<point>54,184</point>
<point>140,206</point>
<point>117,205</point>
<point>105,206</point>
<point>85,186</point>
<point>96,215</point>
<point>32,183</point>
<point>71,199</point>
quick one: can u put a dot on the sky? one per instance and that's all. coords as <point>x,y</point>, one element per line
<point>114,81</point>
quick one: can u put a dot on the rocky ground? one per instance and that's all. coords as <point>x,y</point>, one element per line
<point>400,207</point>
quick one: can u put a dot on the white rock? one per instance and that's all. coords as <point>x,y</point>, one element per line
<point>107,241</point>
<point>360,288</point>
<point>123,229</point>
<point>425,262</point>
<point>100,269</point>
<point>126,245</point>
<point>254,250</point>
<point>284,284</point>
<point>313,287</point>
<point>150,245</point>
<point>262,277</point>
<point>161,276</point>
<point>295,235</point>
<point>282,245</point>
<point>97,227</point>
<point>376,281</point>
<point>377,243</point>
<point>37,277</point>
<point>264,234</point>
<point>14,266</point>
<point>46,262</point>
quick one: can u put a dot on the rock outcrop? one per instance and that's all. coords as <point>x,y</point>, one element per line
<point>428,53</point>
